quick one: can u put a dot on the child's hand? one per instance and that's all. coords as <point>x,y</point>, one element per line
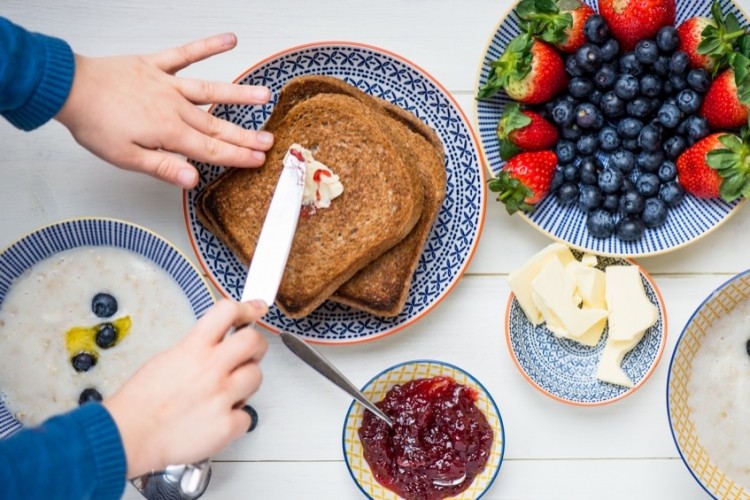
<point>134,112</point>
<point>185,404</point>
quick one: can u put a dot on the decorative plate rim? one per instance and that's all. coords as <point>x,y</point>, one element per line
<point>482,209</point>
<point>436,362</point>
<point>527,218</point>
<point>631,390</point>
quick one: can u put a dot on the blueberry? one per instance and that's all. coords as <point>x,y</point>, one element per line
<point>595,97</point>
<point>677,83</point>
<point>599,121</point>
<point>89,394</point>
<point>104,305</point>
<point>586,115</point>
<point>611,105</point>
<point>654,212</point>
<point>610,180</point>
<point>667,39</point>
<point>646,51</point>
<point>580,87</point>
<point>567,194</point>
<point>629,127</point>
<point>678,64</point>
<point>688,101</point>
<point>632,203</point>
<point>587,144</point>
<point>565,151</point>
<point>631,145</point>
<point>590,197</point>
<point>588,170</point>
<point>626,87</point>
<point>106,335</point>
<point>648,184</point>
<point>650,138</point>
<point>572,67</point>
<point>674,146</point>
<point>622,160</point>
<point>610,49</point>
<point>82,362</point>
<point>661,66</point>
<point>698,80</point>
<point>669,115</point>
<point>650,85</point>
<point>630,228</point>
<point>628,186</point>
<point>630,64</point>
<point>672,193</point>
<point>563,112</point>
<point>557,180</point>
<point>570,173</point>
<point>608,139</point>
<point>667,171</point>
<point>572,132</point>
<point>696,128</point>
<point>611,202</point>
<point>604,79</point>
<point>600,224</point>
<point>640,107</point>
<point>589,57</point>
<point>595,29</point>
<point>649,161</point>
<point>667,88</point>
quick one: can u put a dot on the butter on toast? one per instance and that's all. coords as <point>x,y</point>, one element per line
<point>381,202</point>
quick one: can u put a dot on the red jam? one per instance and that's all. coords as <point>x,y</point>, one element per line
<point>438,434</point>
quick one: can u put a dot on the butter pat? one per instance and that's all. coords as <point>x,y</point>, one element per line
<point>631,313</point>
<point>321,184</point>
<point>520,280</point>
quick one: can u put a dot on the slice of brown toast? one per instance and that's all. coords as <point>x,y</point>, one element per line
<point>381,203</point>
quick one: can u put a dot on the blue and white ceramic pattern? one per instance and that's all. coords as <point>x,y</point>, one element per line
<point>49,240</point>
<point>566,370</point>
<point>456,231</point>
<point>691,220</point>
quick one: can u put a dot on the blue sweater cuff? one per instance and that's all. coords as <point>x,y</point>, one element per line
<point>53,88</point>
<point>106,448</point>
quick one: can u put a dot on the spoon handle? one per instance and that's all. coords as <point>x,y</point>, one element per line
<point>316,360</point>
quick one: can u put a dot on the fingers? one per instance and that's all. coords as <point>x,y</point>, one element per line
<point>201,147</point>
<point>244,346</point>
<point>225,131</point>
<point>243,382</point>
<point>175,59</point>
<point>207,92</point>
<point>241,422</point>
<point>212,327</point>
<point>163,165</point>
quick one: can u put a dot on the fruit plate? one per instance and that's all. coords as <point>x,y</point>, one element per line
<point>456,232</point>
<point>49,240</point>
<point>686,223</point>
<point>566,370</point>
<point>376,389</point>
<point>715,479</point>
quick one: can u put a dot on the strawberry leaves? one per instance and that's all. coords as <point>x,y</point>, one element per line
<point>513,192</point>
<point>515,64</point>
<point>511,120</point>
<point>719,39</point>
<point>544,19</point>
<point>732,162</point>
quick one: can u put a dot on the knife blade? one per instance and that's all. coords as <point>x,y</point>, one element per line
<point>276,235</point>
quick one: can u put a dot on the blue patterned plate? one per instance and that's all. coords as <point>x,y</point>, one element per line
<point>566,370</point>
<point>456,232</point>
<point>66,235</point>
<point>690,221</point>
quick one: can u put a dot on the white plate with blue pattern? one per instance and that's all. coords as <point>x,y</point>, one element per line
<point>690,221</point>
<point>456,232</point>
<point>65,235</point>
<point>566,370</point>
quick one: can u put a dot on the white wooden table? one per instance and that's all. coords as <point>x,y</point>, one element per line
<point>618,451</point>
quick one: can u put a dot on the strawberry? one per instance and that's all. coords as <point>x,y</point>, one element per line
<point>523,130</point>
<point>633,20</point>
<point>524,180</point>
<point>717,165</point>
<point>530,71</point>
<point>710,43</point>
<point>559,22</point>
<point>721,105</point>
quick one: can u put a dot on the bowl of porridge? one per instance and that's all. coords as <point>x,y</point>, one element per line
<point>83,304</point>
<point>707,391</point>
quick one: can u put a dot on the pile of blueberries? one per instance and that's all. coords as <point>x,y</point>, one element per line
<point>623,123</point>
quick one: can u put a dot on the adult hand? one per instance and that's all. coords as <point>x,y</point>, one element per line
<point>133,112</point>
<point>185,404</point>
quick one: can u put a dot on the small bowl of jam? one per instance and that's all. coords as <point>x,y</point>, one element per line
<point>447,439</point>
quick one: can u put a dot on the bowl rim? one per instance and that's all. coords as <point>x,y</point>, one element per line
<point>662,345</point>
<point>482,167</point>
<point>711,296</point>
<point>436,362</point>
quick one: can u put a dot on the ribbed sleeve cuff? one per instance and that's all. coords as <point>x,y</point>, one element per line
<point>53,89</point>
<point>106,448</point>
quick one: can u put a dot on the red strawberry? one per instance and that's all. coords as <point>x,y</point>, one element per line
<point>530,71</point>
<point>721,105</point>
<point>524,180</point>
<point>717,165</point>
<point>690,36</point>
<point>559,22</point>
<point>633,20</point>
<point>523,130</point>
<point>710,43</point>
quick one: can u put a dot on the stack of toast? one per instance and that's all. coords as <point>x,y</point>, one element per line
<point>362,250</point>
